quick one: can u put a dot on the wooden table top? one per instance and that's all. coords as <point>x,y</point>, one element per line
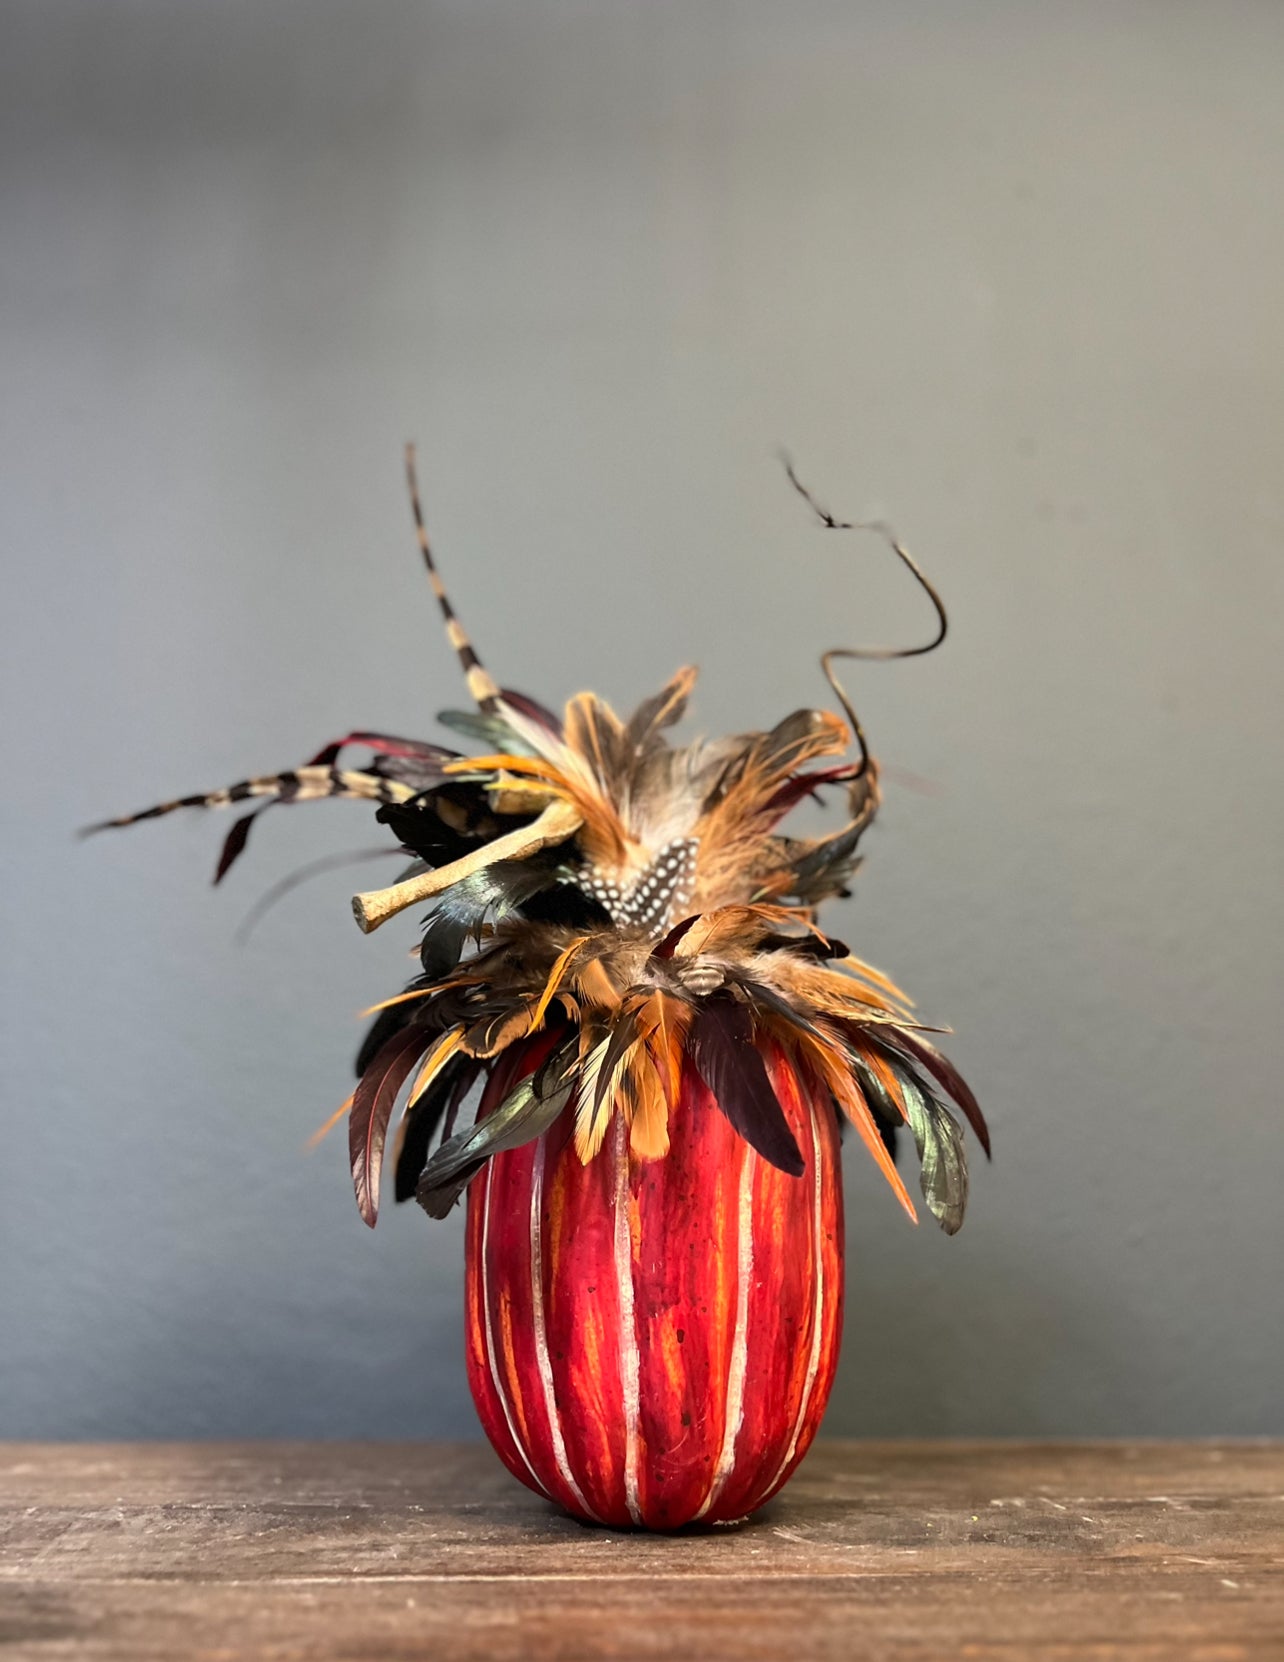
<point>900,1550</point>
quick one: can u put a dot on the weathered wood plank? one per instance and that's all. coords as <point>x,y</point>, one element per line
<point>900,1550</point>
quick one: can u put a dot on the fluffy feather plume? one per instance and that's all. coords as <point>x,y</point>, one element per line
<point>631,908</point>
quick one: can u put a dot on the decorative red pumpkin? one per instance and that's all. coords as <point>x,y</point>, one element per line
<point>667,1040</point>
<point>652,1343</point>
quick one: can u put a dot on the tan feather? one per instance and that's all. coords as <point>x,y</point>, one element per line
<point>595,986</point>
<point>829,1064</point>
<point>667,1019</point>
<point>434,1062</point>
<point>773,757</point>
<point>648,720</point>
<point>555,975</point>
<point>887,1076</point>
<point>488,1037</point>
<point>325,1130</point>
<point>649,1130</point>
<point>732,928</point>
<point>831,993</point>
<point>735,832</point>
<point>401,998</point>
<point>876,978</point>
<point>595,734</point>
<point>591,1114</point>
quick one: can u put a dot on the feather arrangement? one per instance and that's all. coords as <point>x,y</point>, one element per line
<point>620,943</point>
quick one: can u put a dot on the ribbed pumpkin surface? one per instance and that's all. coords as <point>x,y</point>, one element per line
<point>651,1343</point>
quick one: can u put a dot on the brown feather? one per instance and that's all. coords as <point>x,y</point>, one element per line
<point>668,1019</point>
<point>834,1073</point>
<point>649,1131</point>
<point>666,708</point>
<point>592,1115</point>
<point>372,1104</point>
<point>596,735</point>
<point>434,1062</point>
<point>596,987</point>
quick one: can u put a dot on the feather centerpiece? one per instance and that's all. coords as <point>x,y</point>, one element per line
<point>622,945</point>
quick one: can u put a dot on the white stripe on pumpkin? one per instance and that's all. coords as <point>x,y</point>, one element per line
<point>738,1363</point>
<point>488,1329</point>
<point>541,1331</point>
<point>818,1305</point>
<point>629,1360</point>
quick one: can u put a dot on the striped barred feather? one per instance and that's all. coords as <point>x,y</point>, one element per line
<point>305,784</point>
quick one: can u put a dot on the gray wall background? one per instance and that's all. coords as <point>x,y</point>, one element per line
<point>1008,274</point>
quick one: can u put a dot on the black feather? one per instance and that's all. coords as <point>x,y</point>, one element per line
<point>653,715</point>
<point>817,946</point>
<point>491,731</point>
<point>877,1097</point>
<point>621,1038</point>
<point>235,841</point>
<point>944,1072</point>
<point>385,1026</point>
<point>566,906</point>
<point>442,946</point>
<point>444,824</point>
<point>528,1110</point>
<point>419,774</point>
<point>487,895</point>
<point>824,871</point>
<point>781,749</point>
<point>939,1140</point>
<point>533,710</point>
<point>422,1119</point>
<point>457,1098</point>
<point>372,1106</point>
<point>886,1130</point>
<point>767,998</point>
<point>720,1043</point>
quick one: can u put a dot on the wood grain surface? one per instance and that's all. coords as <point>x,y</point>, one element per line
<point>900,1550</point>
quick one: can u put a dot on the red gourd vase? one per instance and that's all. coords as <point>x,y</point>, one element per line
<point>618,930</point>
<point>652,1343</point>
